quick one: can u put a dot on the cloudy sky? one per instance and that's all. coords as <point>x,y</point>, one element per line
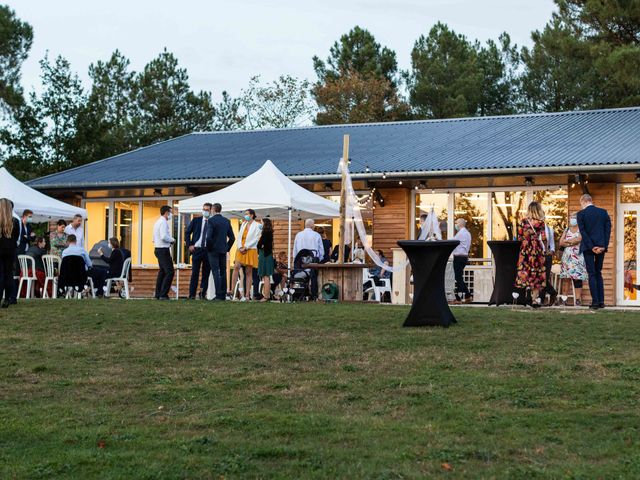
<point>222,43</point>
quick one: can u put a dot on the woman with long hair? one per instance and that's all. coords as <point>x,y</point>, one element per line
<point>247,253</point>
<point>531,274</point>
<point>9,234</point>
<point>266,264</point>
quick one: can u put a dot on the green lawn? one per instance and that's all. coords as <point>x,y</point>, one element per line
<point>143,389</point>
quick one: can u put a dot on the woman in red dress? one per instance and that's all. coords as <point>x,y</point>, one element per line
<point>531,266</point>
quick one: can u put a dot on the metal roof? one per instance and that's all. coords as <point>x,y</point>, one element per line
<point>591,140</point>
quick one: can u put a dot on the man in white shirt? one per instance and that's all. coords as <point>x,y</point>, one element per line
<point>74,250</point>
<point>460,259</point>
<point>163,240</point>
<point>75,228</point>
<point>309,239</point>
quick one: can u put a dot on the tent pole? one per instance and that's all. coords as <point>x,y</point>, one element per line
<point>178,255</point>
<point>289,248</point>
<point>343,197</point>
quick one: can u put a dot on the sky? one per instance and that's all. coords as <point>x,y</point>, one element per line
<point>223,43</point>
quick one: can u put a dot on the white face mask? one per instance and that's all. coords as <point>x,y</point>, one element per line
<point>206,213</point>
<point>169,217</point>
<point>573,222</point>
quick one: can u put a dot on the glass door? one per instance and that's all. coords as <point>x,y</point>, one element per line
<point>628,254</point>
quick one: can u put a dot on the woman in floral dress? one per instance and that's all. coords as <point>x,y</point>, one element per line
<point>573,265</point>
<point>58,239</point>
<point>531,261</point>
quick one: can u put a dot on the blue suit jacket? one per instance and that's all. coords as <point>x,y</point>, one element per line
<point>220,235</point>
<point>595,227</point>
<point>192,235</point>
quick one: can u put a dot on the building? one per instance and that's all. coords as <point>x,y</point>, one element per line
<point>484,169</point>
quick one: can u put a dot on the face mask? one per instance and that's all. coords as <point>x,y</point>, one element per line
<point>247,217</point>
<point>206,213</point>
<point>169,217</point>
<point>573,222</point>
<point>457,227</point>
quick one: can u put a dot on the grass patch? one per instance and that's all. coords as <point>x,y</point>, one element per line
<point>142,389</point>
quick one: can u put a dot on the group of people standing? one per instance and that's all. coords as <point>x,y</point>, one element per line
<point>584,244</point>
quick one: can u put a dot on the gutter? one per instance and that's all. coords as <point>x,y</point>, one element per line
<point>569,169</point>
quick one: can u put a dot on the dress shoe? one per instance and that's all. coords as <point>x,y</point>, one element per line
<point>191,298</point>
<point>5,304</point>
<point>594,306</point>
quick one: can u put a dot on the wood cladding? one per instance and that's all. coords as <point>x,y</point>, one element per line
<point>391,222</point>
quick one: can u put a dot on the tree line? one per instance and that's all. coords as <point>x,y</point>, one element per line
<point>586,56</point>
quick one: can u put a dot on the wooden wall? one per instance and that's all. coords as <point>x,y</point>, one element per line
<point>391,222</point>
<point>143,282</point>
<point>604,196</point>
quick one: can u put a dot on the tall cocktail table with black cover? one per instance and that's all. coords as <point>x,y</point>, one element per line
<point>505,256</point>
<point>428,262</point>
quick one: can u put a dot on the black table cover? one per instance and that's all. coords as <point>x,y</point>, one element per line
<point>505,256</point>
<point>428,262</point>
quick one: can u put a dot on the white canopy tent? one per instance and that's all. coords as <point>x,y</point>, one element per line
<point>24,197</point>
<point>271,194</point>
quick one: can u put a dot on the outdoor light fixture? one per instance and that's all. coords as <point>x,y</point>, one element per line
<point>157,192</point>
<point>637,177</point>
<point>399,182</point>
<point>366,168</point>
<point>384,175</point>
<point>421,186</point>
<point>328,187</point>
<point>528,181</point>
<point>377,198</point>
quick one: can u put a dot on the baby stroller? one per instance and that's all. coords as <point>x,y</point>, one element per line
<point>299,282</point>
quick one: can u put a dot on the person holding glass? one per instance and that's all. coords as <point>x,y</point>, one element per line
<point>247,253</point>
<point>573,266</point>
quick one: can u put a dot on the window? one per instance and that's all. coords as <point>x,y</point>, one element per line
<point>506,209</point>
<point>439,202</point>
<point>151,213</point>
<point>630,194</point>
<point>473,208</point>
<point>556,208</point>
<point>126,227</point>
<point>97,225</point>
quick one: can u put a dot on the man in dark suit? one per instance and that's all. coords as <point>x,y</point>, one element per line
<point>595,227</point>
<point>27,234</point>
<point>196,240</point>
<point>220,239</point>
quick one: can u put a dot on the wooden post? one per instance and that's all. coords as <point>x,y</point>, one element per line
<point>343,195</point>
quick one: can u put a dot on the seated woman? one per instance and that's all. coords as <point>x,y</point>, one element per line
<point>247,253</point>
<point>115,260</point>
<point>36,251</point>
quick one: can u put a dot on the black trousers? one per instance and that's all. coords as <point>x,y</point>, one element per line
<point>548,289</point>
<point>7,286</point>
<point>594,263</point>
<point>15,271</point>
<point>218,264</point>
<point>459,262</point>
<point>165,272</point>
<point>199,261</point>
<point>99,276</point>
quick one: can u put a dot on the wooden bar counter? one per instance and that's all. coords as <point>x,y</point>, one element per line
<point>347,276</point>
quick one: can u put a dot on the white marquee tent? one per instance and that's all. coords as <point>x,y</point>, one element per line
<point>271,194</point>
<point>24,197</point>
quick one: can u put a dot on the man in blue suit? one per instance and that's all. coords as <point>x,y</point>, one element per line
<point>595,227</point>
<point>220,239</point>
<point>196,240</point>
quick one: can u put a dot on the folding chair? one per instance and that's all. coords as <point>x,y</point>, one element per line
<point>123,279</point>
<point>50,263</point>
<point>28,275</point>
<point>378,291</point>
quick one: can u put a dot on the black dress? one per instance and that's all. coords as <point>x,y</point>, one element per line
<point>8,250</point>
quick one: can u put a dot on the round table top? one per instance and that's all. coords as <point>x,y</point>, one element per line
<point>427,243</point>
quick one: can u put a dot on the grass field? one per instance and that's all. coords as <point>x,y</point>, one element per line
<point>141,389</point>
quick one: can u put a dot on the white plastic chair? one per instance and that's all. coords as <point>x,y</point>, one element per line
<point>378,291</point>
<point>450,282</point>
<point>28,275</point>
<point>556,281</point>
<point>123,278</point>
<point>50,262</point>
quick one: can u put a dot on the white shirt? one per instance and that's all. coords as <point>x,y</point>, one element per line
<point>203,233</point>
<point>465,243</point>
<point>551,242</point>
<point>310,240</point>
<point>162,233</point>
<point>75,250</point>
<point>78,232</point>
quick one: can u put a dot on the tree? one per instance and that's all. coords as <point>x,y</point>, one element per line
<point>105,121</point>
<point>356,98</point>
<point>498,66</point>
<point>166,105</point>
<point>58,106</point>
<point>358,82</point>
<point>357,51</point>
<point>23,143</point>
<point>228,115</point>
<point>587,56</point>
<point>280,104</point>
<point>445,78</point>
<point>16,38</point>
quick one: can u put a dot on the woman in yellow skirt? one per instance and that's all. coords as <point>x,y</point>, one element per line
<point>246,253</point>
